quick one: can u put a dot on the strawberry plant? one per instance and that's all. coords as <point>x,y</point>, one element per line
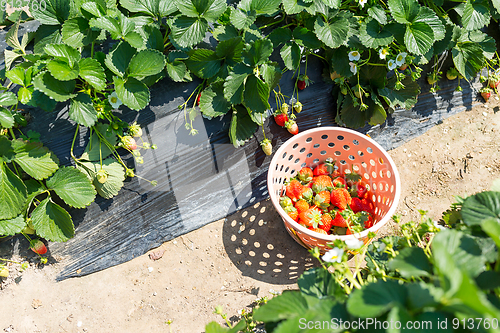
<point>442,274</point>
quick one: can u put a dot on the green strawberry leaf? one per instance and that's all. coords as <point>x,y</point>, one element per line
<point>258,53</point>
<point>280,36</point>
<point>378,114</point>
<point>8,98</point>
<point>242,126</point>
<point>35,159</point>
<point>132,92</point>
<point>377,13</point>
<point>256,94</point>
<point>411,262</point>
<point>405,98</point>
<point>261,7</point>
<point>234,84</point>
<point>288,305</point>
<point>271,73</point>
<point>92,72</point>
<point>13,226</point>
<point>230,50</point>
<point>24,94</point>
<point>145,63</point>
<point>210,9</point>
<point>153,38</point>
<point>16,75</point>
<point>97,149</point>
<point>92,9</point>
<point>76,32</point>
<point>333,33</point>
<point>375,299</point>
<point>60,70</point>
<point>372,35</point>
<point>135,39</point>
<point>419,37</point>
<point>189,31</point>
<point>468,59</point>
<point>54,13</point>
<point>39,99</point>
<point>403,11</point>
<point>114,181</point>
<point>118,26</point>
<point>119,58</point>
<point>306,38</point>
<point>73,186</point>
<point>241,20</point>
<point>52,222</point>
<point>481,206</point>
<point>177,71</point>
<point>82,111</point>
<point>476,15</point>
<point>60,91</point>
<point>203,63</point>
<point>46,35</point>
<point>156,8</point>
<point>63,52</point>
<point>12,193</point>
<point>212,101</point>
<point>291,55</point>
<point>224,32</point>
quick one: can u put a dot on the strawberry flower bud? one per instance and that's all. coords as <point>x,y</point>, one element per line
<point>102,176</point>
<point>135,130</point>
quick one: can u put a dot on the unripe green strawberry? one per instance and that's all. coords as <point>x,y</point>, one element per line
<point>285,202</point>
<point>284,108</point>
<point>297,107</point>
<point>451,74</point>
<point>135,130</point>
<point>266,146</point>
<point>102,176</point>
<point>4,271</point>
<point>432,78</point>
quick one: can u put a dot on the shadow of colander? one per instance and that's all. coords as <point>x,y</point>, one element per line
<point>259,246</point>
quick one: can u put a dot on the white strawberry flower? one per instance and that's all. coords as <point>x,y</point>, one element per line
<point>391,64</point>
<point>114,100</point>
<point>354,68</point>
<point>362,3</point>
<point>354,56</point>
<point>400,59</point>
<point>354,244</point>
<point>383,52</point>
<point>334,255</point>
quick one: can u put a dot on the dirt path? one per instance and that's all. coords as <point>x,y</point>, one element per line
<point>233,261</point>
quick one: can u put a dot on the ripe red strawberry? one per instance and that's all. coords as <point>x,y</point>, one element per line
<point>368,205</point>
<point>403,67</point>
<point>198,99</point>
<point>281,118</point>
<point>339,221</point>
<point>294,190</point>
<point>486,95</point>
<point>129,143</point>
<point>311,217</point>
<point>369,223</point>
<point>356,205</point>
<point>348,232</point>
<point>37,246</point>
<point>324,169</point>
<point>302,206</point>
<point>267,146</point>
<point>326,222</point>
<point>493,83</point>
<point>322,199</point>
<point>322,183</point>
<point>361,190</point>
<point>292,127</point>
<point>307,194</point>
<point>339,182</point>
<point>319,230</point>
<point>306,175</point>
<point>301,84</point>
<point>340,198</point>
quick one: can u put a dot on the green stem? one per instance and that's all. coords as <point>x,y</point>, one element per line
<point>12,133</point>
<point>73,143</point>
<point>271,24</point>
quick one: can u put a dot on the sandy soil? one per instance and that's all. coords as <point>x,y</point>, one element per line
<point>233,261</point>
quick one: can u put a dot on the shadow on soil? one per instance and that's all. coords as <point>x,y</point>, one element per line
<point>258,244</point>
